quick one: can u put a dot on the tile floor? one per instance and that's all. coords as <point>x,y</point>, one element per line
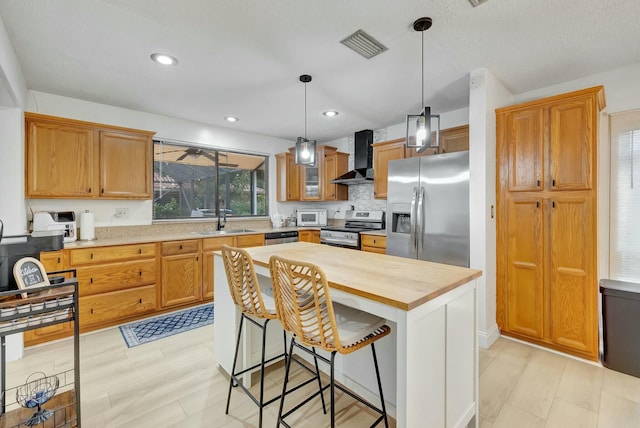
<point>174,382</point>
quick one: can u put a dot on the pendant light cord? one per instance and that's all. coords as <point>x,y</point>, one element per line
<point>305,110</point>
<point>422,51</point>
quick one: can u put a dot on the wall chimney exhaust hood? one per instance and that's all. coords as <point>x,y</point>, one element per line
<point>362,171</point>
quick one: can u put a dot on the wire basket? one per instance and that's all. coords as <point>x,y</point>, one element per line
<point>38,389</point>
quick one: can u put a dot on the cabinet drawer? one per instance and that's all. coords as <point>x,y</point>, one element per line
<point>180,247</point>
<point>116,276</point>
<point>50,332</point>
<point>110,254</point>
<point>374,241</point>
<point>250,240</point>
<point>116,306</point>
<point>213,244</point>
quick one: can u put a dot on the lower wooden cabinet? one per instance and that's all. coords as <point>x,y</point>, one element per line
<point>373,243</point>
<point>181,272</point>
<point>309,236</point>
<point>253,240</point>
<point>209,245</point>
<point>107,308</point>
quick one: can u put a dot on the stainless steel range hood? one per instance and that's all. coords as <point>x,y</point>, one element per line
<point>362,161</point>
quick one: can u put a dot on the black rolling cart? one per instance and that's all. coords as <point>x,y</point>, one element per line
<point>42,400</point>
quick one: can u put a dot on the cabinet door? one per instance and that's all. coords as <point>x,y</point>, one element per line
<point>109,308</point>
<point>382,154</point>
<point>573,287</point>
<point>59,161</point>
<point>524,136</point>
<point>454,139</point>
<point>524,291</point>
<point>125,166</point>
<point>255,240</point>
<point>287,178</point>
<point>209,245</point>
<point>335,164</point>
<point>52,260</point>
<point>181,279</point>
<point>571,144</point>
<point>311,180</point>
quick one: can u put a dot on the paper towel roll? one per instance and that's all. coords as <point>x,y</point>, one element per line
<point>87,226</point>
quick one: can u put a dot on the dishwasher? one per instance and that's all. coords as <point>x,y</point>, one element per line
<point>273,238</point>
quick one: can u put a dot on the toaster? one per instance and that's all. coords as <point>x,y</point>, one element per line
<point>65,221</point>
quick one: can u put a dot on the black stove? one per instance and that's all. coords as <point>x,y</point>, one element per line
<point>348,236</point>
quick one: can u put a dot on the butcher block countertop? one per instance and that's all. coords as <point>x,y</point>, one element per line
<point>395,281</point>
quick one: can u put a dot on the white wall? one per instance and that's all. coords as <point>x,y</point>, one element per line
<point>13,89</point>
<point>486,94</point>
<point>140,212</point>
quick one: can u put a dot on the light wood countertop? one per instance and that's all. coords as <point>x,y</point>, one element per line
<point>141,239</point>
<point>395,281</point>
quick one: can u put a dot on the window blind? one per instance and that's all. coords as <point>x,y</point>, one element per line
<point>624,208</point>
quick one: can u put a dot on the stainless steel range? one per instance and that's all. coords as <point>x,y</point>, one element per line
<point>356,221</point>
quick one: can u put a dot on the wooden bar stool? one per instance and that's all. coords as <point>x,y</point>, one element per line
<point>253,303</point>
<point>305,309</point>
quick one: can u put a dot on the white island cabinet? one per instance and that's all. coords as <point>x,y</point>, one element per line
<point>428,364</point>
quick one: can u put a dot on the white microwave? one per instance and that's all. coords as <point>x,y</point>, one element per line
<point>311,217</point>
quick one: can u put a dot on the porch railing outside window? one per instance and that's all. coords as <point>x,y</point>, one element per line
<point>195,182</point>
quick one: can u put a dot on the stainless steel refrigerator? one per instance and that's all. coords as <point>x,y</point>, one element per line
<point>428,208</point>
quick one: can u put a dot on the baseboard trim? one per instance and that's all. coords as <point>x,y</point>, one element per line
<point>486,339</point>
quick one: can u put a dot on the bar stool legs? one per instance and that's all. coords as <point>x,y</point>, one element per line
<point>332,386</point>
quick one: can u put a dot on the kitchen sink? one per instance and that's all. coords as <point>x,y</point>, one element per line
<point>220,232</point>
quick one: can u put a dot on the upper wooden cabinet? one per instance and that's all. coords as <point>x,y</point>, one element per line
<point>67,158</point>
<point>383,153</point>
<point>454,139</point>
<point>287,178</point>
<point>547,282</point>
<point>550,145</point>
<point>305,183</point>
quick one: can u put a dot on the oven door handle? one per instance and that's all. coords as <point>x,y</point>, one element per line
<point>333,241</point>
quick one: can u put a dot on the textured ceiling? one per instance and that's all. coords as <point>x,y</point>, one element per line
<point>243,57</point>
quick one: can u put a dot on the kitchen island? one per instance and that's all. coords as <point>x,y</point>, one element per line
<point>429,364</point>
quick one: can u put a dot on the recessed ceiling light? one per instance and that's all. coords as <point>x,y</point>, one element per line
<point>164,59</point>
<point>231,119</point>
<point>331,113</point>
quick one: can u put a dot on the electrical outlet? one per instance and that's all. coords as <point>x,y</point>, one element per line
<point>122,213</point>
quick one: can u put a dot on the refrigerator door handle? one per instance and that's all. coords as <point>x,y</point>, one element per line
<point>421,221</point>
<point>412,234</point>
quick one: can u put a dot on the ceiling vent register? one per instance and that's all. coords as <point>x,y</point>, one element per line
<point>363,44</point>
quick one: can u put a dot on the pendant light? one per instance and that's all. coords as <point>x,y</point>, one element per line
<point>305,153</point>
<point>419,126</point>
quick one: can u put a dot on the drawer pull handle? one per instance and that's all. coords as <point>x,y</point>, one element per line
<point>140,272</point>
<point>538,183</point>
<point>139,250</point>
<point>90,280</point>
<point>89,189</point>
<point>140,301</point>
<point>102,190</point>
<point>553,204</point>
<point>58,259</point>
<point>91,312</point>
<point>553,183</point>
<point>537,204</point>
<point>181,246</point>
<point>91,256</point>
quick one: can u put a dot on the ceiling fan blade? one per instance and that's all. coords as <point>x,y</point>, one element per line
<point>182,156</point>
<point>208,156</point>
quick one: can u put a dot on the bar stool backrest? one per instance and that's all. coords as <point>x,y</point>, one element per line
<point>243,282</point>
<point>303,302</point>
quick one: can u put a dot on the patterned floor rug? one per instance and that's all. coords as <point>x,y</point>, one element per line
<point>151,329</point>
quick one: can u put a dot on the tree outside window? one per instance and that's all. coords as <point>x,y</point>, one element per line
<point>196,182</point>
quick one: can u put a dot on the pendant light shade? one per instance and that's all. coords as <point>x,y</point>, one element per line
<point>305,153</point>
<point>420,134</point>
